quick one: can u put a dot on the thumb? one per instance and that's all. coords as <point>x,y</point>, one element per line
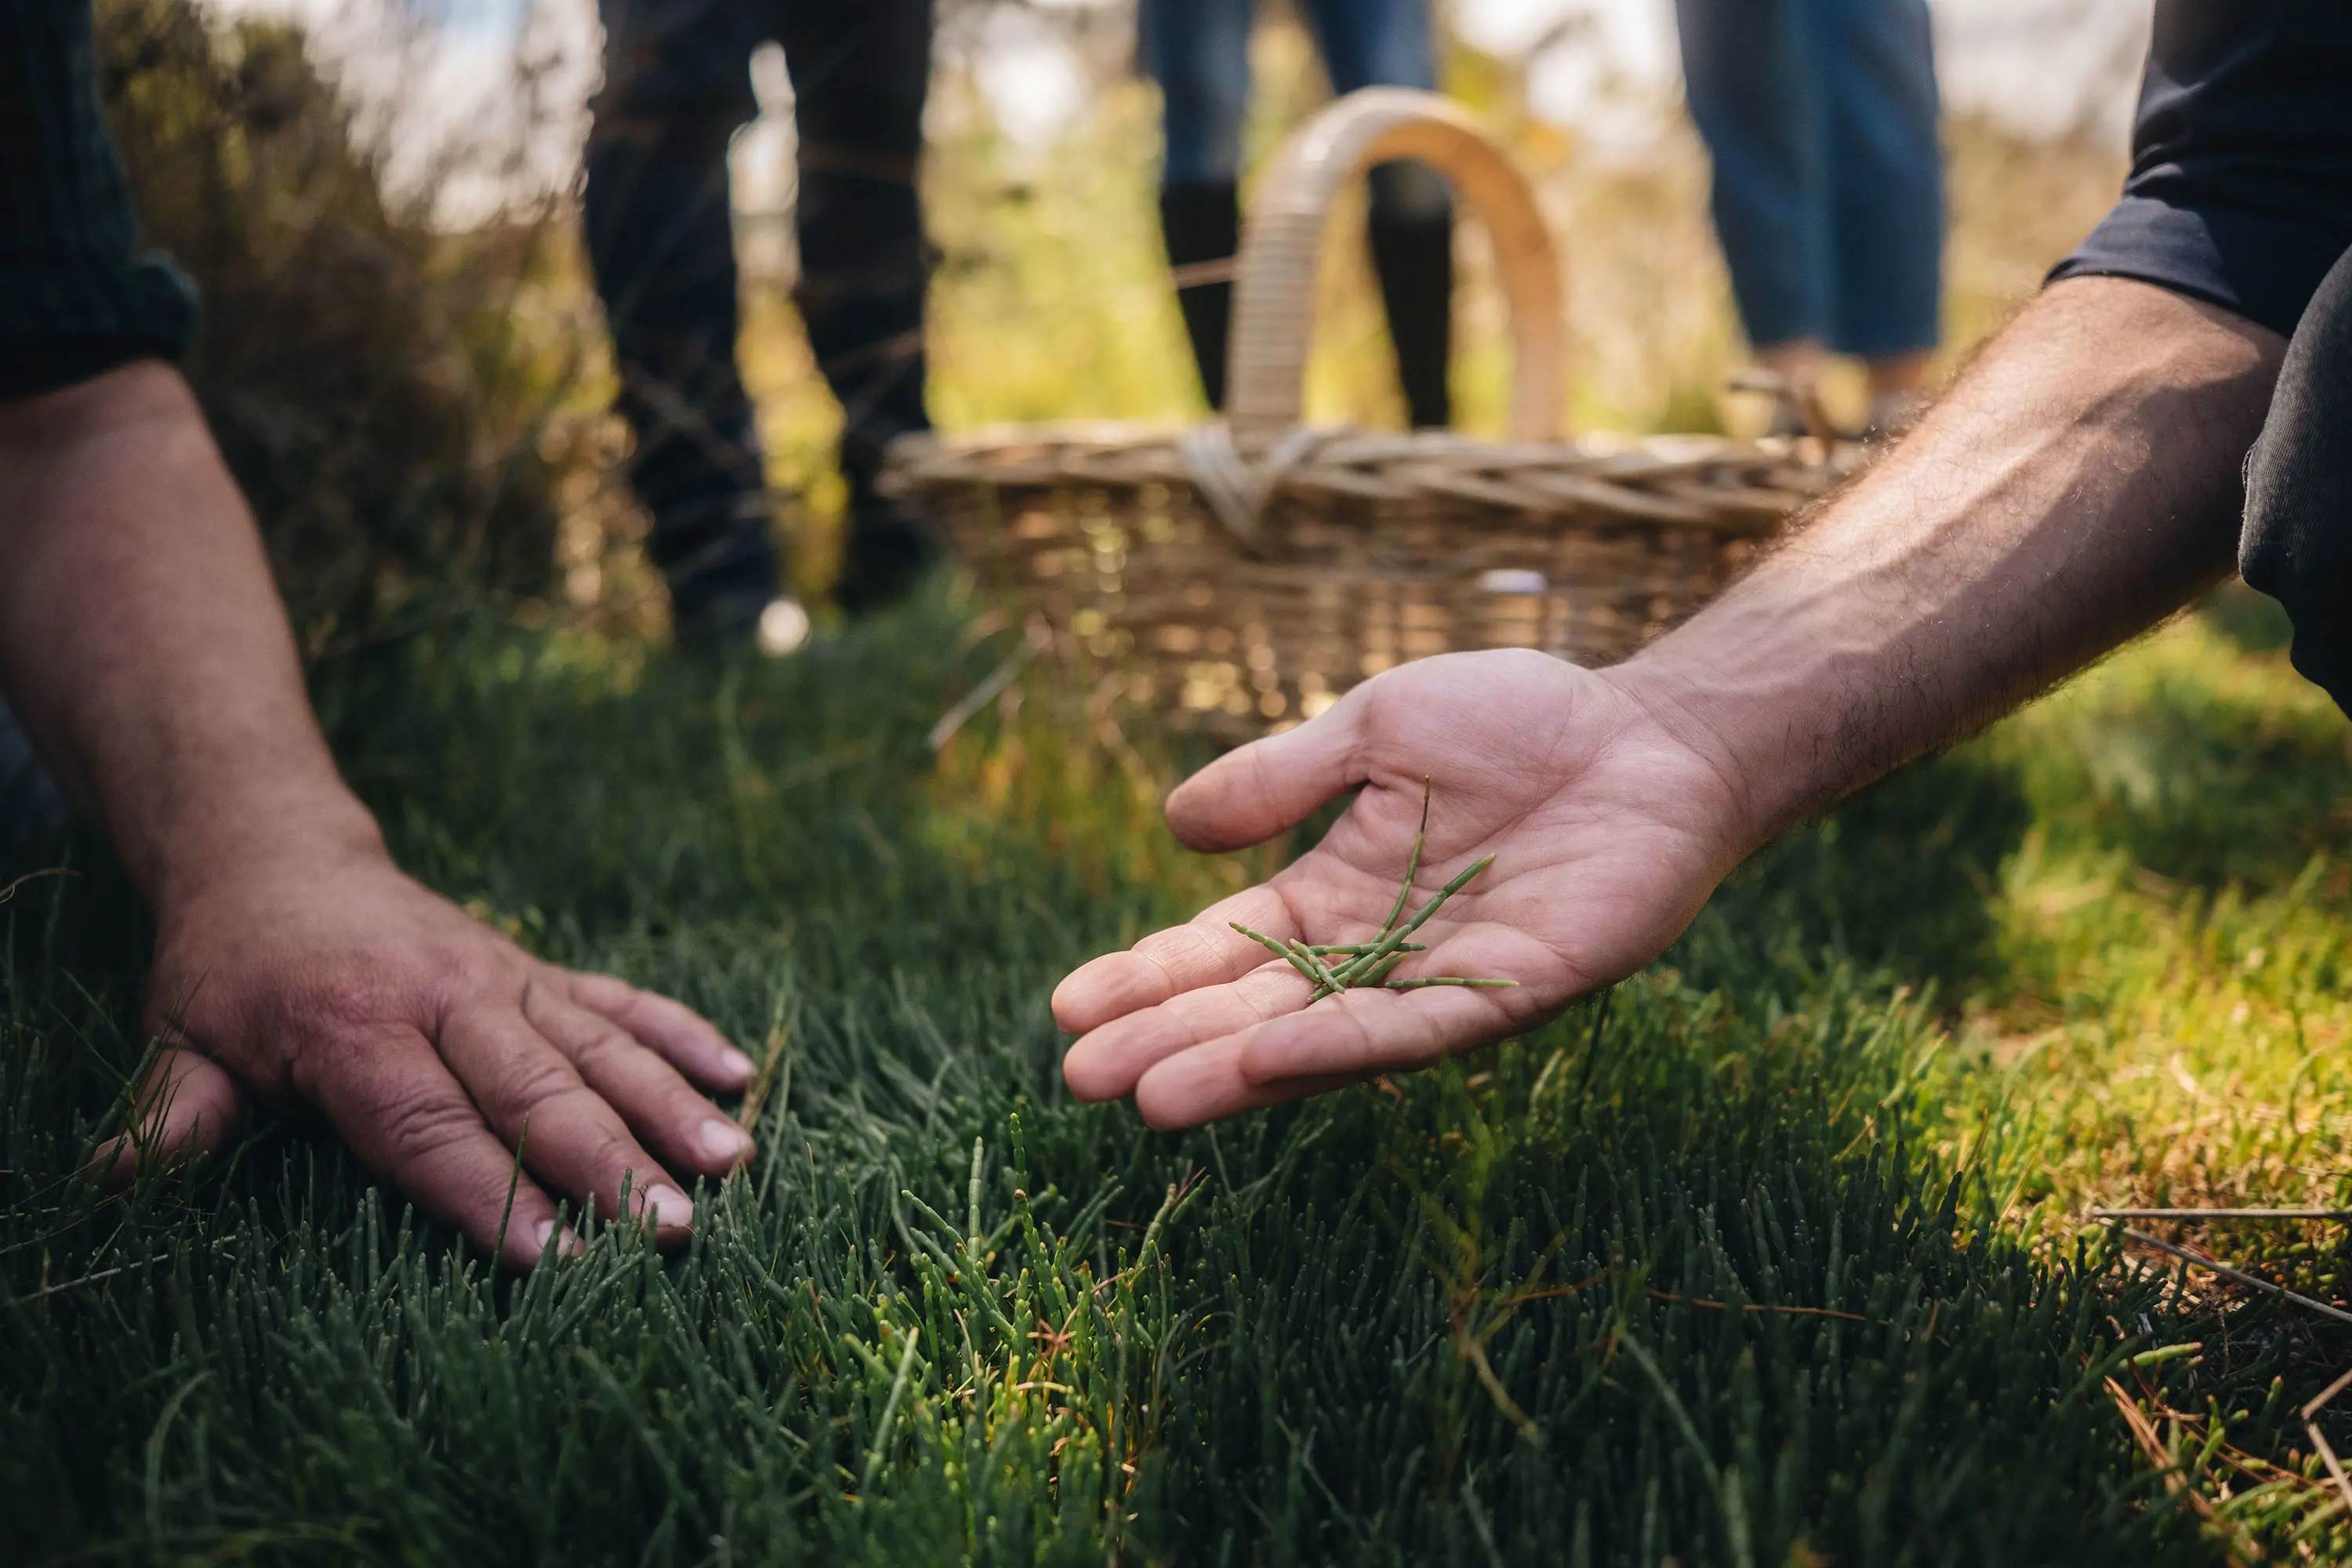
<point>186,1106</point>
<point>1249,795</point>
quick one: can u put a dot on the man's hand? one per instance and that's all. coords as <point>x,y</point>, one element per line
<point>429,1041</point>
<point>141,642</point>
<point>2080,482</point>
<point>1609,826</point>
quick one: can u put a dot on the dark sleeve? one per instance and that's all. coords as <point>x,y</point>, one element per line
<point>77,298</point>
<point>2240,188</point>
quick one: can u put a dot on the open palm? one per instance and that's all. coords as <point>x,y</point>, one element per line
<point>1608,831</point>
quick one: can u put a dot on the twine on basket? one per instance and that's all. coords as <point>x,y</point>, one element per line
<point>1237,488</point>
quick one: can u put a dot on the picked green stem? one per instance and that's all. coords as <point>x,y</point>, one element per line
<point>1325,984</point>
<point>1353,972</point>
<point>1306,966</point>
<point>1369,963</point>
<point>1412,866</point>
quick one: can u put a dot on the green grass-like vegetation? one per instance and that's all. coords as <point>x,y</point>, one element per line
<point>1778,1255</point>
<point>1773,1257</point>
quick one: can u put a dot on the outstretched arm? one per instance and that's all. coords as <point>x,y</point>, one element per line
<point>143,644</point>
<point>2078,484</point>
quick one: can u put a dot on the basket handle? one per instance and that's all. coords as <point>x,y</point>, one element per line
<point>1282,243</point>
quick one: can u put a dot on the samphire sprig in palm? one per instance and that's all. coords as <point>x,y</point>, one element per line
<point>1369,963</point>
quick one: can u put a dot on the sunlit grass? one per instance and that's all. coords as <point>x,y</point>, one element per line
<point>1783,1250</point>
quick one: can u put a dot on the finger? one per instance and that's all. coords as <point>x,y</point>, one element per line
<point>1107,1063</point>
<point>685,1039</point>
<point>577,1143</point>
<point>187,1105</point>
<point>408,1119</point>
<point>1207,1083</point>
<point>687,1130</point>
<point>1365,1032</point>
<point>1248,796</point>
<point>1204,951</point>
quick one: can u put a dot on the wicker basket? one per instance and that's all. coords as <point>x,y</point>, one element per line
<point>1248,572</point>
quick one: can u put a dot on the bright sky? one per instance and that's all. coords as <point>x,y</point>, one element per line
<point>1603,66</point>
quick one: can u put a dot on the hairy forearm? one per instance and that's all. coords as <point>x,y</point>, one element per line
<point>142,641</point>
<point>2079,483</point>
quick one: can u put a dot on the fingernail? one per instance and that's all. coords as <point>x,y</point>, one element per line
<point>567,1244</point>
<point>735,1064</point>
<point>722,1139</point>
<point>670,1208</point>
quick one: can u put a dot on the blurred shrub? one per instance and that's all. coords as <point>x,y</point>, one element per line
<point>377,383</point>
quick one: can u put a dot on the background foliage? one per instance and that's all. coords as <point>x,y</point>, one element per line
<point>387,393</point>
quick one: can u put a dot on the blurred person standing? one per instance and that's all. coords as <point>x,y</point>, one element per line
<point>660,239</point>
<point>1198,51</point>
<point>1820,116</point>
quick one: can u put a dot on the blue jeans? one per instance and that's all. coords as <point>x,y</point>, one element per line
<point>1828,195</point>
<point>661,241</point>
<point>1198,51</point>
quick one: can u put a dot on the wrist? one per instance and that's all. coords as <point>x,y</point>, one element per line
<point>1725,763</point>
<point>308,828</point>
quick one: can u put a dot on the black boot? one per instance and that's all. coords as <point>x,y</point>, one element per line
<point>893,543</point>
<point>1202,223</point>
<point>891,548</point>
<point>1412,250</point>
<point>723,569</point>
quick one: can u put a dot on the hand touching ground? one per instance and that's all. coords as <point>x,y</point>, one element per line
<point>1608,829</point>
<point>427,1040</point>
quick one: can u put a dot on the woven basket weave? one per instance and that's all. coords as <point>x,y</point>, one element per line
<point>1248,572</point>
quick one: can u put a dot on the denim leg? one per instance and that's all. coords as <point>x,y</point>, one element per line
<point>1386,43</point>
<point>1198,51</point>
<point>1886,183</point>
<point>2297,545</point>
<point>1753,91</point>
<point>860,70</point>
<point>661,243</point>
<point>1374,43</point>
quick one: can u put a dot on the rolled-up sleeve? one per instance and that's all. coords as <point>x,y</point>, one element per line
<point>77,296</point>
<point>2240,187</point>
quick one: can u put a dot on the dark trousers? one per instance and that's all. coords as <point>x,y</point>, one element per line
<point>1198,51</point>
<point>677,87</point>
<point>2297,545</point>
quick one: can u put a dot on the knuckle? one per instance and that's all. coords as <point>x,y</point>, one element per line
<point>473,967</point>
<point>540,1077</point>
<point>420,1127</point>
<point>602,1047</point>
